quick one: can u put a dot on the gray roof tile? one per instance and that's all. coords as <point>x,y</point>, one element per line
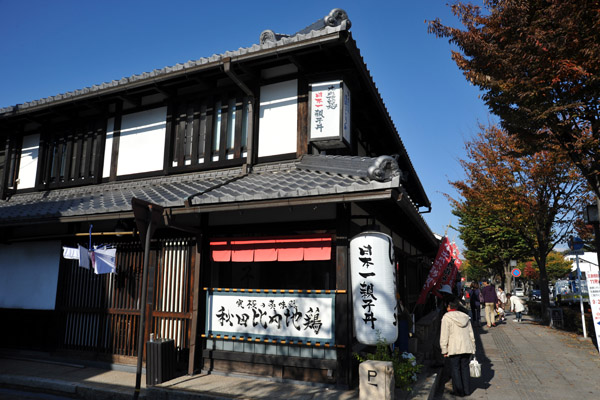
<point>293,179</point>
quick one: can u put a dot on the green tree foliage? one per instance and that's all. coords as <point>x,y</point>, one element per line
<point>530,200</point>
<point>474,272</point>
<point>538,65</point>
<point>489,243</point>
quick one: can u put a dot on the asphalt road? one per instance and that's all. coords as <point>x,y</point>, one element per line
<point>10,394</point>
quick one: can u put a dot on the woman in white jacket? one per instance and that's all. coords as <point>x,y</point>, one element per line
<point>516,306</point>
<point>458,344</point>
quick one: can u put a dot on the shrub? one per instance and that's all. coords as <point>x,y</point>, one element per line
<point>534,309</point>
<point>572,320</point>
<point>404,364</point>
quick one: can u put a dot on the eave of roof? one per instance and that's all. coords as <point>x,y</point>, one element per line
<point>310,180</point>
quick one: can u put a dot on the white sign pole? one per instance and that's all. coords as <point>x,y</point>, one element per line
<point>580,296</point>
<point>593,281</point>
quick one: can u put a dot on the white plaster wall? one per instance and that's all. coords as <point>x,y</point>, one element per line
<point>142,141</point>
<point>29,161</point>
<point>110,132</point>
<point>278,125</point>
<point>29,275</point>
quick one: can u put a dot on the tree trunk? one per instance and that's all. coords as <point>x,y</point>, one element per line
<point>507,278</point>
<point>544,291</point>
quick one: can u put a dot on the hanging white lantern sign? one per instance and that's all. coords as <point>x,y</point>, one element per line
<point>373,282</point>
<point>329,115</point>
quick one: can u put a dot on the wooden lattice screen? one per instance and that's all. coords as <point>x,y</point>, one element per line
<point>101,312</point>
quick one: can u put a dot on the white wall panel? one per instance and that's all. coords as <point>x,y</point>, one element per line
<point>29,275</point>
<point>278,125</point>
<point>110,132</point>
<point>29,161</point>
<point>142,141</point>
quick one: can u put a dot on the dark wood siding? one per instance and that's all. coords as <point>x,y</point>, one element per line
<point>100,313</point>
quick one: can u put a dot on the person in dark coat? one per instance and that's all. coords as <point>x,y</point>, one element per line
<point>490,299</point>
<point>475,303</point>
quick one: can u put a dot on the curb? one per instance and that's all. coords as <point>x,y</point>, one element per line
<point>69,389</point>
<point>155,393</point>
<point>427,389</point>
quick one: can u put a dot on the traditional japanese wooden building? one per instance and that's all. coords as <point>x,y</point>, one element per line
<point>265,162</point>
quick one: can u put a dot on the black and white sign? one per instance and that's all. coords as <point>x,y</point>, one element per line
<point>307,317</point>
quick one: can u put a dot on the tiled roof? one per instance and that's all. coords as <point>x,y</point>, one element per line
<point>308,177</point>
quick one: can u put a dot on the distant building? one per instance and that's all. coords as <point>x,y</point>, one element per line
<point>588,262</point>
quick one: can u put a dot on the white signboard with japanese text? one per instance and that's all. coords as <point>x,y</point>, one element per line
<point>330,113</point>
<point>373,282</point>
<point>593,283</point>
<point>306,317</point>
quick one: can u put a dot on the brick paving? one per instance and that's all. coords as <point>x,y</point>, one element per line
<point>528,360</point>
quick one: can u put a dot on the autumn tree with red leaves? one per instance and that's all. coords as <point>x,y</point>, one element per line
<point>557,267</point>
<point>530,272</point>
<point>538,64</point>
<point>537,195</point>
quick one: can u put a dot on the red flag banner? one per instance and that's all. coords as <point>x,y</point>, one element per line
<point>457,260</point>
<point>442,259</point>
<point>449,275</point>
<point>457,263</point>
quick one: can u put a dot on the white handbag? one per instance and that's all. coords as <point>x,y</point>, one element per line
<point>474,368</point>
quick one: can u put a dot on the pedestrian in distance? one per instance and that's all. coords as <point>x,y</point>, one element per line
<point>501,301</point>
<point>516,306</point>
<point>490,299</point>
<point>500,310</point>
<point>448,295</point>
<point>475,303</point>
<point>457,343</point>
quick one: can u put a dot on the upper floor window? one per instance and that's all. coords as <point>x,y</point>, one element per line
<point>9,156</point>
<point>71,154</point>
<point>209,131</point>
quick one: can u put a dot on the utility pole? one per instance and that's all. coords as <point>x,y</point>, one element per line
<point>147,218</point>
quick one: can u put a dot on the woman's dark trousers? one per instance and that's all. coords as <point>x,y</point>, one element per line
<point>459,370</point>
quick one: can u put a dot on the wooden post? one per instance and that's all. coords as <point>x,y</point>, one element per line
<point>147,219</point>
<point>343,310</point>
<point>302,143</point>
<point>196,295</point>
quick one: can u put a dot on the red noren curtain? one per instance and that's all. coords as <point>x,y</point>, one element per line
<point>300,248</point>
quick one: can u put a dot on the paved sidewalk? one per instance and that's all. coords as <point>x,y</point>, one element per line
<point>84,382</point>
<point>530,361</point>
<point>42,373</point>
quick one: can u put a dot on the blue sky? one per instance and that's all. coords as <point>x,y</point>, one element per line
<point>52,47</point>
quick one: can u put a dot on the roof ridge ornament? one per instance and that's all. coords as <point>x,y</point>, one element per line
<point>269,36</point>
<point>383,165</point>
<point>336,17</point>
